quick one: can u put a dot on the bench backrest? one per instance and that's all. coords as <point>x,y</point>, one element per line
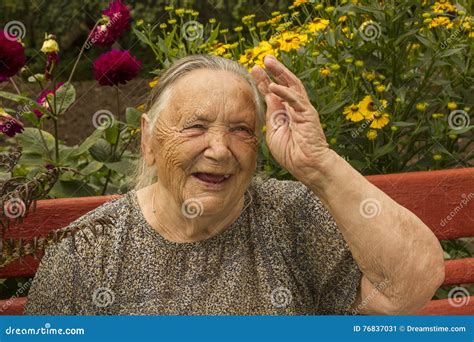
<point>444,200</point>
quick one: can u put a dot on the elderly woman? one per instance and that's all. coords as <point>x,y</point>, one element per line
<point>200,234</point>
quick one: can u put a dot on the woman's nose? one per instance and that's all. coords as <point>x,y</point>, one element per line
<point>218,144</point>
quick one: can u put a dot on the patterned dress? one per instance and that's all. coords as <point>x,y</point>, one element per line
<point>284,255</point>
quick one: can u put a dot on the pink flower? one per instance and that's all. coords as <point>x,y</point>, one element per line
<point>115,66</point>
<point>115,20</point>
<point>9,125</point>
<point>41,100</point>
<point>12,56</point>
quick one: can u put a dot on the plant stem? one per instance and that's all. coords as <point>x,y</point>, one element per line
<point>15,86</point>
<point>56,141</point>
<point>114,148</point>
<point>76,62</point>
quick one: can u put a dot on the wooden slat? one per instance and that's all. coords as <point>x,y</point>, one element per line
<point>443,307</point>
<point>459,271</point>
<point>12,306</point>
<point>54,214</point>
<point>433,196</point>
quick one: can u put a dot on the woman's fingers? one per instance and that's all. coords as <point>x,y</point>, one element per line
<point>289,95</point>
<point>261,78</point>
<point>281,73</point>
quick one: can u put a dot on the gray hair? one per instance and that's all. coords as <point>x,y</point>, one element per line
<point>145,175</point>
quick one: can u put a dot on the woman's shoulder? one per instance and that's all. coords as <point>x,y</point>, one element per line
<point>96,230</point>
<point>275,192</point>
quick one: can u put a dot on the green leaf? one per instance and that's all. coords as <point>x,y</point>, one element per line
<point>141,36</point>
<point>92,167</point>
<point>72,188</point>
<point>31,117</point>
<point>36,78</point>
<point>331,108</point>
<point>23,100</point>
<point>86,144</point>
<point>403,124</point>
<point>31,141</point>
<point>65,97</point>
<point>383,150</point>
<point>123,167</point>
<point>112,133</point>
<point>101,150</point>
<point>133,116</point>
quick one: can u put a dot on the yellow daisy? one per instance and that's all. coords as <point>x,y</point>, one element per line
<point>318,24</point>
<point>353,113</point>
<point>380,120</point>
<point>291,41</point>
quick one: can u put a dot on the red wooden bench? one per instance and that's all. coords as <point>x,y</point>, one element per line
<point>432,195</point>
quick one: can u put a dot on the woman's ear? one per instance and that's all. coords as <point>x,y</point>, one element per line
<point>146,141</point>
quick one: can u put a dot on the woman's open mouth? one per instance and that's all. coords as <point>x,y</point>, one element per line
<point>211,178</point>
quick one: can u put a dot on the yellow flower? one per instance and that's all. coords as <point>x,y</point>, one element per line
<point>437,157</point>
<point>441,21</point>
<point>353,113</point>
<point>291,41</point>
<point>153,82</point>
<point>359,63</point>
<point>380,88</point>
<point>437,115</point>
<point>330,9</point>
<point>443,6</point>
<point>318,24</point>
<point>421,106</point>
<point>452,105</point>
<point>325,72</point>
<point>163,25</point>
<point>299,2</point>
<point>370,109</point>
<point>238,29</point>
<point>50,46</point>
<point>248,18</point>
<point>368,75</point>
<point>179,12</point>
<point>380,120</point>
<point>212,21</point>
<point>172,21</point>
<point>342,19</point>
<point>372,134</point>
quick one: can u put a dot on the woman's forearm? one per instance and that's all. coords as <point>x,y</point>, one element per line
<point>391,245</point>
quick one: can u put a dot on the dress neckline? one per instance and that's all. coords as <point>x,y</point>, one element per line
<point>229,233</point>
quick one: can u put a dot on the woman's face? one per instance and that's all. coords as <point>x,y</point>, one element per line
<point>204,143</point>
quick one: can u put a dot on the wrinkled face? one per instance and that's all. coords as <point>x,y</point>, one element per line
<point>205,141</point>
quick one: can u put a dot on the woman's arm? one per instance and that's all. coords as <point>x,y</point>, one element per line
<point>401,259</point>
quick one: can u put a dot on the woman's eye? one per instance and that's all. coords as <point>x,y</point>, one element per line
<point>197,126</point>
<point>241,129</point>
